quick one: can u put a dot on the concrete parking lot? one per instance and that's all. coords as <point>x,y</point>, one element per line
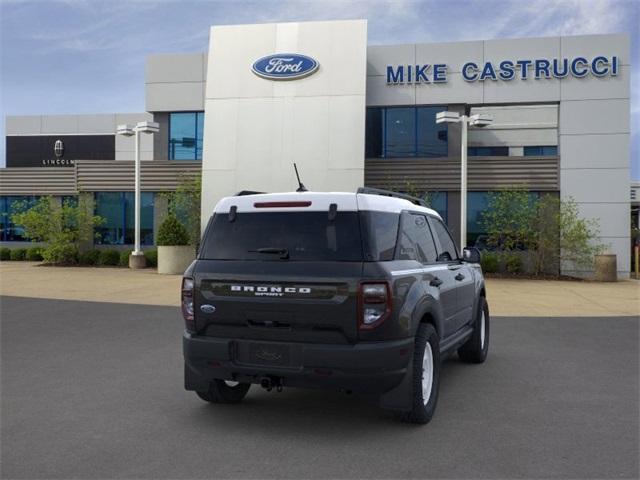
<point>94,390</point>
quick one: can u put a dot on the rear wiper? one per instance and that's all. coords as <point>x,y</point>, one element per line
<point>283,252</point>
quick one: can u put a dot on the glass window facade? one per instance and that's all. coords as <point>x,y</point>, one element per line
<point>438,202</point>
<point>541,151</point>
<point>405,132</point>
<point>10,232</point>
<point>117,209</point>
<point>488,151</point>
<point>185,135</point>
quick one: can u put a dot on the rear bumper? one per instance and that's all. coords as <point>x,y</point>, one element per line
<point>371,367</point>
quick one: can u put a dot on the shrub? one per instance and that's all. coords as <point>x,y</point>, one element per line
<point>109,257</point>
<point>5,253</point>
<point>489,262</point>
<point>185,202</point>
<point>152,257</point>
<point>34,254</point>
<point>124,258</point>
<point>18,254</point>
<point>90,257</point>
<point>61,227</point>
<point>60,254</point>
<point>172,232</point>
<point>513,263</point>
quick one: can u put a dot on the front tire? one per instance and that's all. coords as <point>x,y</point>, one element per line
<point>426,375</point>
<point>222,391</point>
<point>475,350</point>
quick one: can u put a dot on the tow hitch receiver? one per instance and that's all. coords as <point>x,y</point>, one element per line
<point>271,382</point>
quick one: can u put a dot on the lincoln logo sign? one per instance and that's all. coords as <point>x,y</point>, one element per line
<point>285,66</point>
<point>58,148</point>
<point>506,70</point>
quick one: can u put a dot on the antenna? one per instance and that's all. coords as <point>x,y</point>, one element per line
<point>301,187</point>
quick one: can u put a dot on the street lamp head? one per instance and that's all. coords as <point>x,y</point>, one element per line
<point>148,127</point>
<point>480,120</point>
<point>126,130</point>
<point>447,117</point>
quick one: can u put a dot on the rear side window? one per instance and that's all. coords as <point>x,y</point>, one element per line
<point>416,241</point>
<point>448,251</point>
<point>380,234</point>
<point>306,236</point>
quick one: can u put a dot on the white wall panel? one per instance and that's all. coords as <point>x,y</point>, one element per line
<point>591,87</point>
<point>256,128</point>
<point>594,117</point>
<point>595,151</point>
<point>592,185</point>
<point>453,54</point>
<point>174,97</point>
<point>379,56</point>
<point>455,90</point>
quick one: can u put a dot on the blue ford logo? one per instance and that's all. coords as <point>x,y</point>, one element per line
<point>285,66</point>
<point>206,308</point>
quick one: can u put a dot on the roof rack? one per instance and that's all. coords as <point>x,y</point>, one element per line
<point>389,193</point>
<point>242,193</point>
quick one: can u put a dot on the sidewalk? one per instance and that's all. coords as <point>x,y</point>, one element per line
<point>531,298</point>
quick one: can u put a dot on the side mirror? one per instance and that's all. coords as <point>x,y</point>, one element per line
<point>471,255</point>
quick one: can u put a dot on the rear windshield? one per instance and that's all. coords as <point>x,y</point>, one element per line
<point>284,236</point>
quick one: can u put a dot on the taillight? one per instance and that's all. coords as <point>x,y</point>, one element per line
<point>187,303</point>
<point>374,304</point>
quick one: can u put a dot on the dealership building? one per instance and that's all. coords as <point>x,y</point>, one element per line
<point>348,114</point>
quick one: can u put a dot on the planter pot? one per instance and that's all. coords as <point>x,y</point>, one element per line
<point>174,260</point>
<point>606,268</point>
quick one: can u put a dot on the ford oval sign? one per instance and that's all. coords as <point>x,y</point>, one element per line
<point>285,66</point>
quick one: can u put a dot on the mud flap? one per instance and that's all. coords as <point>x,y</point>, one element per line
<point>401,397</point>
<point>193,380</point>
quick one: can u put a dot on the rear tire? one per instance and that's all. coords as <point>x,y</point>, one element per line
<point>475,350</point>
<point>221,391</point>
<point>426,375</point>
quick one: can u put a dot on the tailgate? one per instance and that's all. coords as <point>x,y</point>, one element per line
<point>282,301</point>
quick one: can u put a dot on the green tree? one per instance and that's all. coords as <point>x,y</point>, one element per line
<point>61,227</point>
<point>184,203</point>
<point>172,232</point>
<point>579,237</point>
<point>508,219</point>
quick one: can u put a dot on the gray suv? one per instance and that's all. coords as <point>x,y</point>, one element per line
<point>359,292</point>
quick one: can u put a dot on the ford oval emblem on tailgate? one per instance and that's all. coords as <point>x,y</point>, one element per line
<point>207,308</point>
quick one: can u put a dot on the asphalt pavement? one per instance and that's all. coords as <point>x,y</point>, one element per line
<point>94,390</point>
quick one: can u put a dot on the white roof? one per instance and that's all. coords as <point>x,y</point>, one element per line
<point>319,201</point>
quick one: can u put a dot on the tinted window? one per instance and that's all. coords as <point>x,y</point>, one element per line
<point>488,151</point>
<point>541,151</point>
<point>373,137</point>
<point>117,211</point>
<point>416,242</point>
<point>381,234</point>
<point>448,249</point>
<point>405,132</point>
<point>400,128</point>
<point>185,135</point>
<point>304,236</point>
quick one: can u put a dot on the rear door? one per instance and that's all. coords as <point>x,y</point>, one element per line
<point>416,242</point>
<point>460,276</point>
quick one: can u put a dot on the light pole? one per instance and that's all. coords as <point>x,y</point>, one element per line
<point>136,259</point>
<point>477,120</point>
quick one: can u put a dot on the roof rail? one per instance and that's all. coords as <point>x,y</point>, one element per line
<point>389,193</point>
<point>242,193</point>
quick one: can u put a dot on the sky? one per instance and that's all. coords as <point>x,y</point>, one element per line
<point>87,56</point>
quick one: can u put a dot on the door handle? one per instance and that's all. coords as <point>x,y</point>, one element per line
<point>436,282</point>
<point>459,277</point>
